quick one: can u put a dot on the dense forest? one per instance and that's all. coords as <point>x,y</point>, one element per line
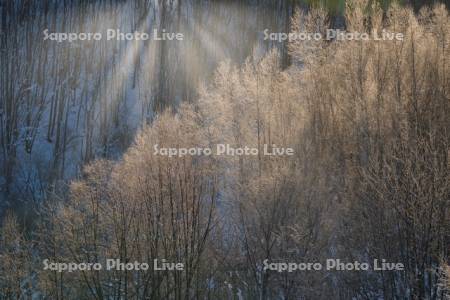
<point>65,104</point>
<point>367,121</point>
